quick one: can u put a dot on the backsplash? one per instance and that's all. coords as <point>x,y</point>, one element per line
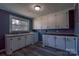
<point>42,31</point>
<point>55,30</point>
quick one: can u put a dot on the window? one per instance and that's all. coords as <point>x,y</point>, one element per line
<point>19,25</point>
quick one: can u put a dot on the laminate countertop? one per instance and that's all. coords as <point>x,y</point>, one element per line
<point>61,34</point>
<point>21,34</point>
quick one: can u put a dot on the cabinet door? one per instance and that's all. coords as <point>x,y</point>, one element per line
<point>15,43</point>
<point>51,21</point>
<point>60,42</point>
<point>9,44</point>
<point>37,23</point>
<point>67,44</point>
<point>51,40</point>
<point>58,20</point>
<point>44,22</point>
<point>65,20</point>
<point>36,37</point>
<point>62,20</point>
<point>71,44</point>
<point>29,39</point>
<point>21,41</point>
<point>45,39</point>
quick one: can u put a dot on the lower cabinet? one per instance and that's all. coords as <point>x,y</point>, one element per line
<point>29,39</point>
<point>12,44</point>
<point>45,40</point>
<point>51,41</point>
<point>35,36</point>
<point>60,42</point>
<point>21,41</point>
<point>71,44</point>
<point>67,43</point>
<point>15,42</point>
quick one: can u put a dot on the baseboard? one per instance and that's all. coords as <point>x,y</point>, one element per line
<point>2,50</point>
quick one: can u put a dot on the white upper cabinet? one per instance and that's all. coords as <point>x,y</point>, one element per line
<point>62,20</point>
<point>59,20</point>
<point>51,21</point>
<point>44,22</point>
<point>37,23</point>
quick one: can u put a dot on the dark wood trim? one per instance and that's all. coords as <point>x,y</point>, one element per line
<point>71,19</point>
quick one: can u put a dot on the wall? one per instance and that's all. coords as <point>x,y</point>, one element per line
<point>3,30</point>
<point>77,25</point>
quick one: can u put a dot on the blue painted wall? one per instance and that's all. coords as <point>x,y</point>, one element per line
<point>4,20</point>
<point>77,24</point>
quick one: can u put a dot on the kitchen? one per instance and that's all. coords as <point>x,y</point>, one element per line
<point>47,28</point>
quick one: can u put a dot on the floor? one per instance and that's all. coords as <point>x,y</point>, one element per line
<point>38,50</point>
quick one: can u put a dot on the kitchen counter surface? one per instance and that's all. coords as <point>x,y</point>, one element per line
<point>21,34</point>
<point>61,34</point>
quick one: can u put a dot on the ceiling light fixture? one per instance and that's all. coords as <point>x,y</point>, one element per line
<point>37,8</point>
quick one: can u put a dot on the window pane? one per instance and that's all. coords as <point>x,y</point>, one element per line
<point>20,25</point>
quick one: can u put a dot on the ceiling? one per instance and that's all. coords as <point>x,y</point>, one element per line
<point>27,9</point>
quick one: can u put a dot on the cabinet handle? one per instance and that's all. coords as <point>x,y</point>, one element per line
<point>11,39</point>
<point>64,38</point>
<point>66,12</point>
<point>10,49</point>
<point>67,39</point>
<point>54,37</point>
<point>66,25</point>
<point>19,39</point>
<point>74,38</point>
